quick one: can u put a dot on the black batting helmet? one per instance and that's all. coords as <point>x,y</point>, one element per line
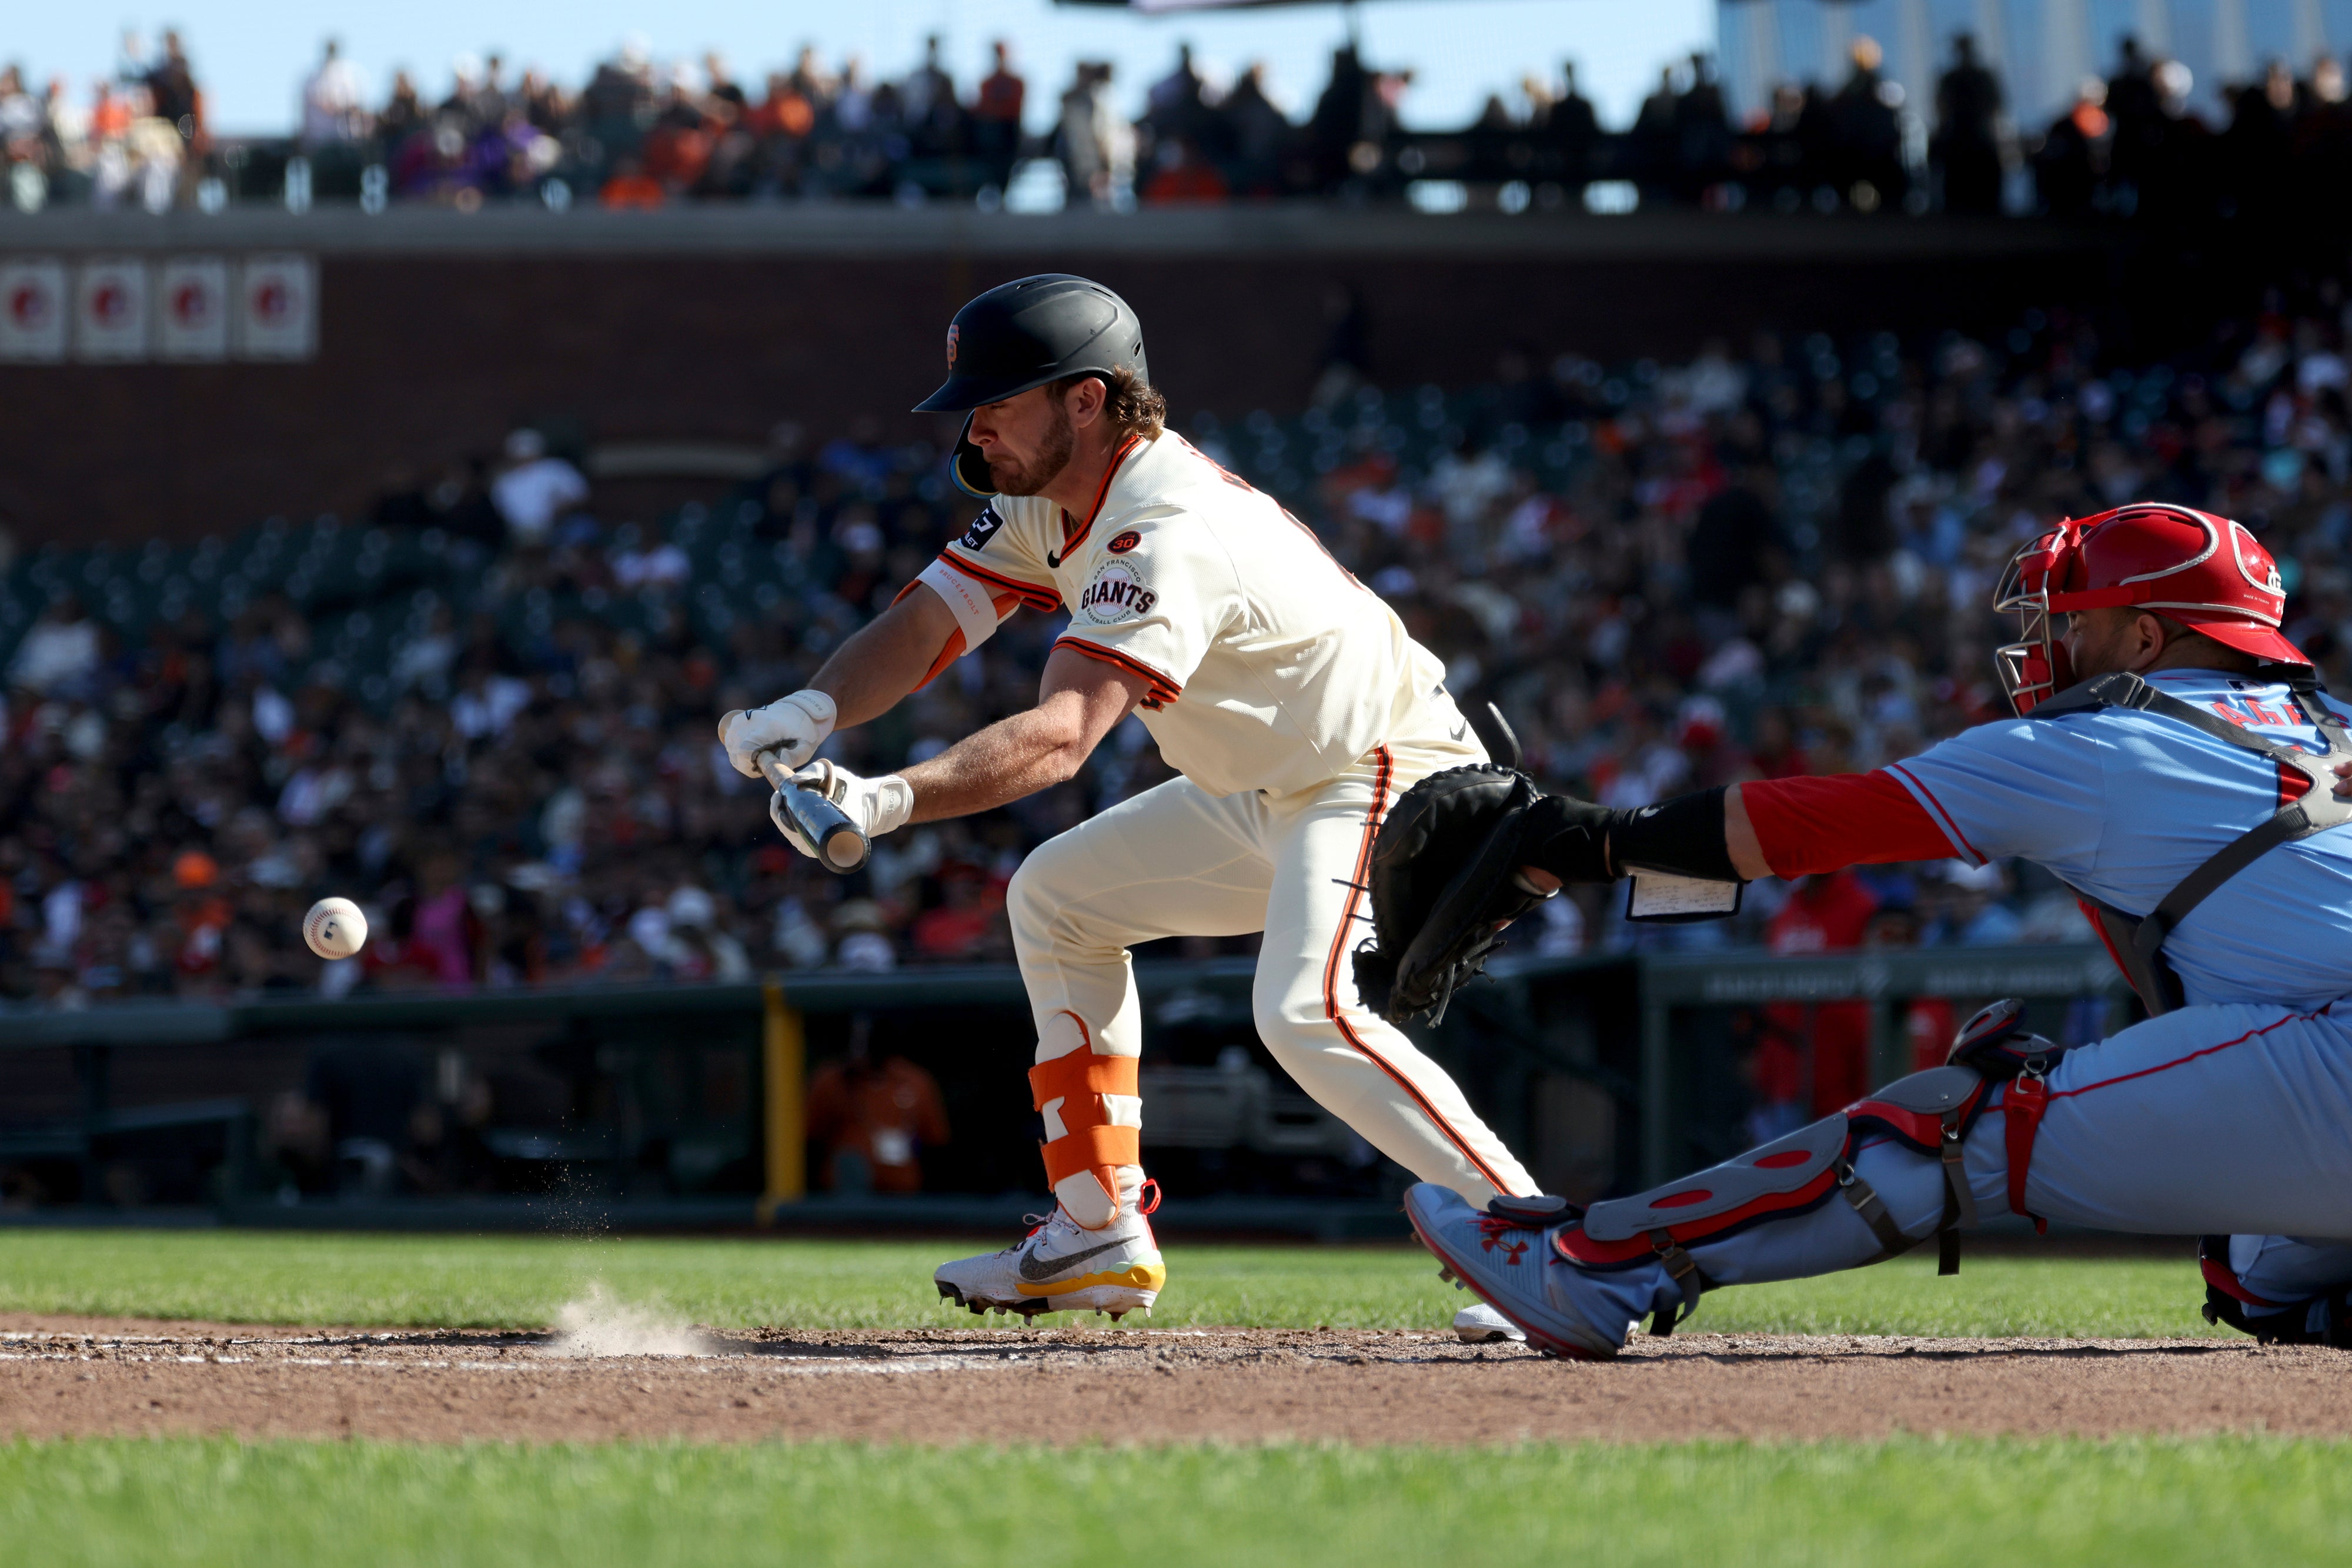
<point>1022,335</point>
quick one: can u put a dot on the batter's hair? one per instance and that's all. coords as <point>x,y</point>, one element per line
<point>1133,405</point>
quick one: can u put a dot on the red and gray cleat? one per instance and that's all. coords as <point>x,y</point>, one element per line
<point>1513,1267</point>
<point>1060,1267</point>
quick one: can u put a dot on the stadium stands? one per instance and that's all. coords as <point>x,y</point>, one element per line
<point>1668,575</point>
<point>642,133</point>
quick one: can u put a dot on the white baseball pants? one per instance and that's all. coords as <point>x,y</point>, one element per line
<point>1176,860</point>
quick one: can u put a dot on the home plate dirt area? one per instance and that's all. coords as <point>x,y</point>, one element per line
<point>83,1376</point>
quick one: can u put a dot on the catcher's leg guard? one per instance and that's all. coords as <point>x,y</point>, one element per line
<point>1929,1111</point>
<point>1094,1121</point>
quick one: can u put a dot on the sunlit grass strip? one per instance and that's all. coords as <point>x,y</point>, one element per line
<point>2145,1501</point>
<point>520,1282</point>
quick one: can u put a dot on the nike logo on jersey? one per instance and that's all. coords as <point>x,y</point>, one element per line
<point>1462,729</point>
<point>1037,1271</point>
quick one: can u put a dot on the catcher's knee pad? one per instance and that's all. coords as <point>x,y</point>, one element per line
<point>2323,1319</point>
<point>1093,1118</point>
<point>1995,1043</point>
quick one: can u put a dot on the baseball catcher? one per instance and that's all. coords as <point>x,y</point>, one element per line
<point>2175,763</point>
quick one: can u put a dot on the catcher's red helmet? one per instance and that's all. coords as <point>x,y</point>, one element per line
<point>2197,568</point>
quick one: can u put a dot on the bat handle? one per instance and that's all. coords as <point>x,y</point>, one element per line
<point>839,846</point>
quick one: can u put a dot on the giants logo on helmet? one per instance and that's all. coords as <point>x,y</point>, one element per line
<point>954,332</point>
<point>2161,559</point>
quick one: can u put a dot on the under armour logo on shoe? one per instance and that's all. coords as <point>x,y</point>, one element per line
<point>1512,1250</point>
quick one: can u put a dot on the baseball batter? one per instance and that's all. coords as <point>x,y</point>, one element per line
<point>1287,696</point>
<point>2173,758</point>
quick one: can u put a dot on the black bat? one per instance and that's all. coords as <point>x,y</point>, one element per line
<point>840,847</point>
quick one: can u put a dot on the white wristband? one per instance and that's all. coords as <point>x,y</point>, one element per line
<point>974,608</point>
<point>894,802</point>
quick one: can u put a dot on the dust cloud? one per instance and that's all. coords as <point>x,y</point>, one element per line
<point>599,1323</point>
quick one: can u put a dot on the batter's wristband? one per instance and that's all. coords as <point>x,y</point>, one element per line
<point>1684,835</point>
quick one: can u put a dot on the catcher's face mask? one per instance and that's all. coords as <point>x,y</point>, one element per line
<point>2037,663</point>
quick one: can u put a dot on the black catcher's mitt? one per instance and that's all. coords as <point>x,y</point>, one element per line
<point>1442,887</point>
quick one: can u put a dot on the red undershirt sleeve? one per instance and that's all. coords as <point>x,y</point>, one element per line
<point>1811,825</point>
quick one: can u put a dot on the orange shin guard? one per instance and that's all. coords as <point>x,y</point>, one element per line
<point>1092,1112</point>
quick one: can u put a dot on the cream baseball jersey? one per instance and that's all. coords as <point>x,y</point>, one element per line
<point>1269,667</point>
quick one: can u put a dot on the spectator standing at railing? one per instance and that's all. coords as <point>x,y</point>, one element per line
<point>1256,134</point>
<point>402,117</point>
<point>1702,132</point>
<point>2136,108</point>
<point>1652,143</point>
<point>1098,146</point>
<point>616,108</point>
<point>2258,148</point>
<point>1870,132</point>
<point>1337,128</point>
<point>1176,107</point>
<point>928,87</point>
<point>1968,131</point>
<point>20,118</point>
<point>172,86</point>
<point>334,112</point>
<point>1573,129</point>
<point>996,118</point>
<point>2073,160</point>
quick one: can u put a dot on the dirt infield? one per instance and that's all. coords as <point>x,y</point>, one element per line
<point>62,1376</point>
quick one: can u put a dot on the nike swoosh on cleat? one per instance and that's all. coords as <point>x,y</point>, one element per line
<point>1036,1270</point>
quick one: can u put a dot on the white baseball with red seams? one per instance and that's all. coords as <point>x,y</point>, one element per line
<point>1298,709</point>
<point>335,928</point>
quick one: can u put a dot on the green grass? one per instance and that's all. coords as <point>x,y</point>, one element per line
<point>519,1281</point>
<point>1915,1502</point>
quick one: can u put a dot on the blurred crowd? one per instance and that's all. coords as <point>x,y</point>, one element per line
<point>486,711</point>
<point>642,132</point>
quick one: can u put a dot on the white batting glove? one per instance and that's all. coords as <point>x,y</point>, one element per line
<point>874,806</point>
<point>792,728</point>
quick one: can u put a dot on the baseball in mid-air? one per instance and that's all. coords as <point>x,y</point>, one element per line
<point>335,929</point>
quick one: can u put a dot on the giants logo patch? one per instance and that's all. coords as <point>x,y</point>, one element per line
<point>1124,542</point>
<point>1116,594</point>
<point>983,529</point>
<point>954,332</point>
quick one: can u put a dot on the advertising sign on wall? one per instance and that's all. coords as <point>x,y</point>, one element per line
<point>33,311</point>
<point>192,300</point>
<point>110,310</point>
<point>278,309</point>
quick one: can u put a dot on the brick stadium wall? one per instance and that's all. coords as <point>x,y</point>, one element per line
<point>432,346</point>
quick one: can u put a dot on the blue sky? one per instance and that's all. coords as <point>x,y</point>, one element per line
<point>250,53</point>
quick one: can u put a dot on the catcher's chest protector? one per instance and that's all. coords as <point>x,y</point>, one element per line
<point>2137,944</point>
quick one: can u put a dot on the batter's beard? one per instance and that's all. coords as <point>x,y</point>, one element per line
<point>1012,478</point>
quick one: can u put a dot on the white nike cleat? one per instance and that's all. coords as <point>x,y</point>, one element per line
<point>1481,1324</point>
<point>1061,1268</point>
